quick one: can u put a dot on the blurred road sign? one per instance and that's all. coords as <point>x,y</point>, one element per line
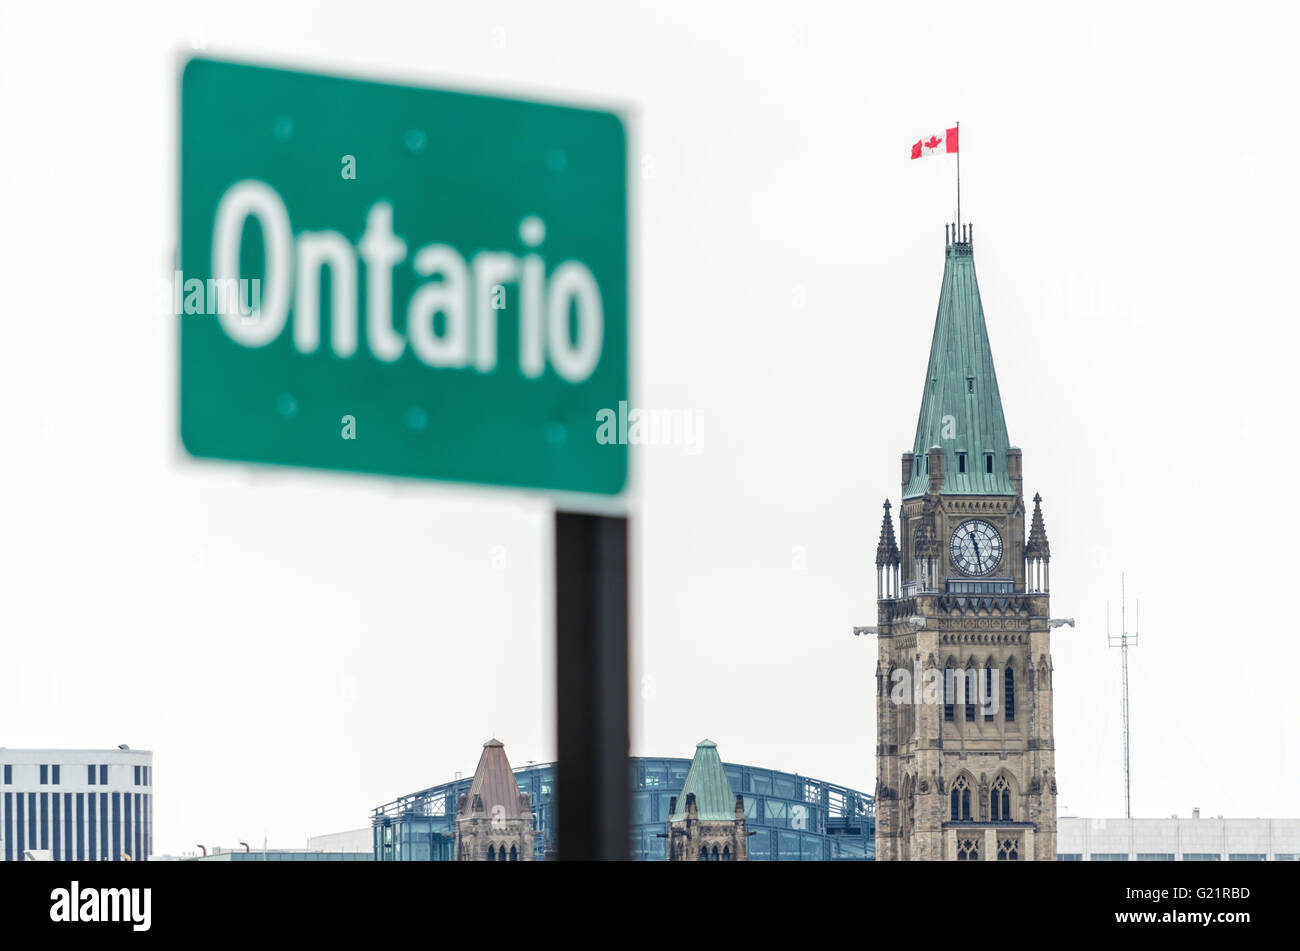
<point>399,280</point>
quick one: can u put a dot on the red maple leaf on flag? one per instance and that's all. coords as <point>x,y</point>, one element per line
<point>916,150</point>
<point>934,141</point>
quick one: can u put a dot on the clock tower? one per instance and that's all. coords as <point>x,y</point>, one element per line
<point>965,756</point>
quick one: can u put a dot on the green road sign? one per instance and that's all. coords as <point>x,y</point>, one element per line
<point>403,281</point>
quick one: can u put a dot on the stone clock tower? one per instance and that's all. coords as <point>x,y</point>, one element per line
<point>965,757</point>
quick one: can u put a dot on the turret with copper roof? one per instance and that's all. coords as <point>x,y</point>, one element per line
<point>706,821</point>
<point>494,820</point>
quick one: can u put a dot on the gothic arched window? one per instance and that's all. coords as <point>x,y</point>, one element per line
<point>989,707</point>
<point>1009,689</point>
<point>704,853</point>
<point>715,853</point>
<point>906,717</point>
<point>514,854</point>
<point>968,850</point>
<point>909,804</point>
<point>1008,850</point>
<point>959,800</point>
<point>492,853</point>
<point>1000,800</point>
<point>949,691</point>
<point>972,686</point>
<point>726,853</point>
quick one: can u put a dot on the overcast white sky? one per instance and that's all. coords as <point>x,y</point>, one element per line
<point>297,649</point>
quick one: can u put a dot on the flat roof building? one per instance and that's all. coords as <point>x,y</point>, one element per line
<point>280,855</point>
<point>353,840</point>
<point>83,805</point>
<point>1177,840</point>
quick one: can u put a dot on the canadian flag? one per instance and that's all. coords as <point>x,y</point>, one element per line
<point>936,145</point>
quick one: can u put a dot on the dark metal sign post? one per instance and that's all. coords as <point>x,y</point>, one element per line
<point>591,650</point>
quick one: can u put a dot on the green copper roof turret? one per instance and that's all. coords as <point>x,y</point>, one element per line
<point>961,409</point>
<point>708,780</point>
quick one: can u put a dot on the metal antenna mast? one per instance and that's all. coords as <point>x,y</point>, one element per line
<point>1123,641</point>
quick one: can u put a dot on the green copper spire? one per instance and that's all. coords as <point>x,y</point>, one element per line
<point>961,409</point>
<point>708,780</point>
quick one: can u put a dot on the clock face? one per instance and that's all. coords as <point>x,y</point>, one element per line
<point>976,547</point>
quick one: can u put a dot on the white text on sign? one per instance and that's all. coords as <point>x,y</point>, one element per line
<point>461,292</point>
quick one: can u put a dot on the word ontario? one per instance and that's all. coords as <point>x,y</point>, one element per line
<point>561,317</point>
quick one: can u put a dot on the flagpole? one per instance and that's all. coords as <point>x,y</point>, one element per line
<point>958,176</point>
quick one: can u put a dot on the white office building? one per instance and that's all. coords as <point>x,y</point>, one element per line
<point>354,840</point>
<point>82,805</point>
<point>1177,840</point>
